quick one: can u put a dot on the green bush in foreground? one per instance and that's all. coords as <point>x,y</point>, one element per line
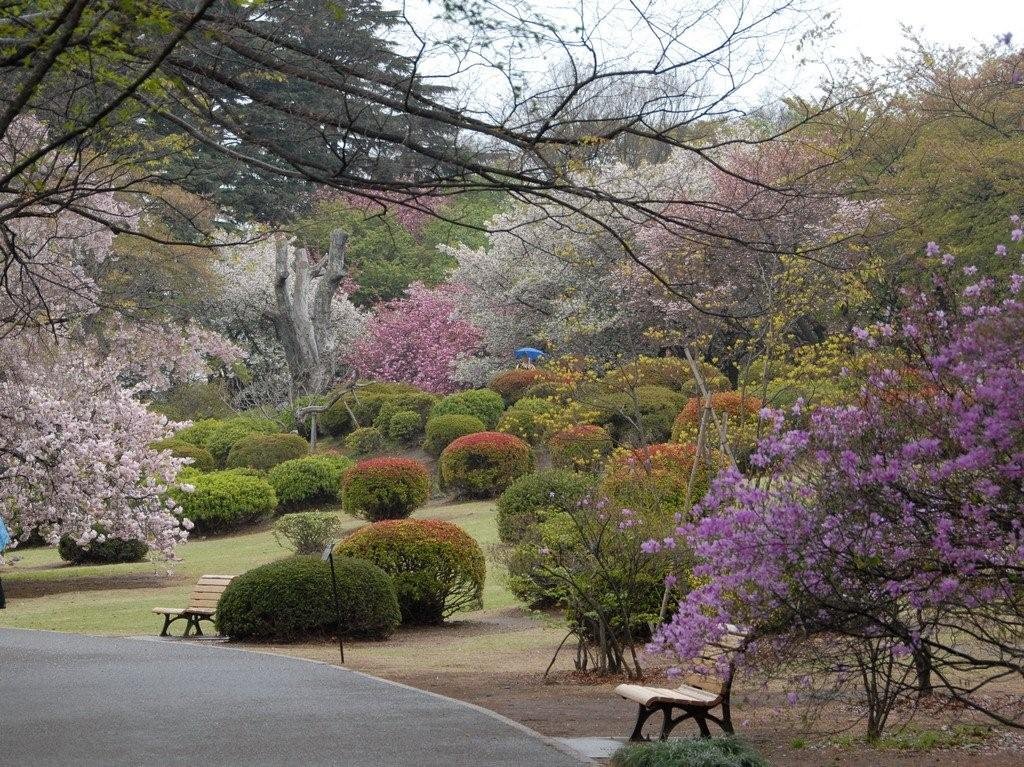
<point>291,599</point>
<point>310,481</point>
<point>691,752</point>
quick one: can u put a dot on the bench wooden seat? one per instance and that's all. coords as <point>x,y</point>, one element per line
<point>693,701</point>
<point>202,605</point>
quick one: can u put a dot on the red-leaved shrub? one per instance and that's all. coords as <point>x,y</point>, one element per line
<point>739,412</point>
<point>658,476</point>
<point>436,566</point>
<point>385,488</point>
<point>583,446</point>
<point>512,384</point>
<point>482,465</point>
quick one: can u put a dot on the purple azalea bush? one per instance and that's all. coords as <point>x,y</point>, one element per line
<point>881,542</point>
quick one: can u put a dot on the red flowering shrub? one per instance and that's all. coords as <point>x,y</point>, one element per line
<point>741,421</point>
<point>580,447</point>
<point>437,567</point>
<point>657,477</point>
<point>512,384</point>
<point>482,465</point>
<point>385,488</point>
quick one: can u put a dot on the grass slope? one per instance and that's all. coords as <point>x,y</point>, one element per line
<point>117,599</point>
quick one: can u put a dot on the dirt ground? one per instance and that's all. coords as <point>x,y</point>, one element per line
<point>497,660</point>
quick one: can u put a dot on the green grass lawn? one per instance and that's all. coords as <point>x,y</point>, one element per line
<point>117,599</point>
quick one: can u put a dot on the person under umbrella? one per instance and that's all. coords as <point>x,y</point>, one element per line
<point>527,355</point>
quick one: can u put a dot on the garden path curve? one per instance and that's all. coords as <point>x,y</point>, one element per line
<point>72,699</point>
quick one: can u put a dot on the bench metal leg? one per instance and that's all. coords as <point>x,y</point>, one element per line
<point>670,722</point>
<point>167,625</point>
<point>645,713</point>
<point>702,723</point>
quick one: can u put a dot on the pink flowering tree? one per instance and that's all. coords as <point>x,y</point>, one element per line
<point>76,455</point>
<point>417,339</point>
<point>882,545</point>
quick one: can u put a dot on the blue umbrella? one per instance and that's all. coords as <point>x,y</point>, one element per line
<point>5,537</point>
<point>529,353</point>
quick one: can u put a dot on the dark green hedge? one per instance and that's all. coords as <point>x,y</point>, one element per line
<point>291,600</point>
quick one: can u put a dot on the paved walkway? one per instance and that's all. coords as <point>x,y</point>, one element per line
<point>67,699</point>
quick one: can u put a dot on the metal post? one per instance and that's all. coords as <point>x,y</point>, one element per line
<point>328,556</point>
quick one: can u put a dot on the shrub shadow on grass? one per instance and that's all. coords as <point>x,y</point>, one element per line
<point>29,588</point>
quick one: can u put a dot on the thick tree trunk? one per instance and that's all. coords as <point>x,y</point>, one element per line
<point>304,295</point>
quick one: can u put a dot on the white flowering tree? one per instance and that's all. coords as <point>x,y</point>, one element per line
<point>76,455</point>
<point>290,314</point>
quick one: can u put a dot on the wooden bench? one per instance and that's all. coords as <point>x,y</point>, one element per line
<point>693,701</point>
<point>202,604</point>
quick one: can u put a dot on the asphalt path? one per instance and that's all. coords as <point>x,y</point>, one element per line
<point>67,699</point>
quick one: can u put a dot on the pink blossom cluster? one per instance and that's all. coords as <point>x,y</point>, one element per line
<point>417,339</point>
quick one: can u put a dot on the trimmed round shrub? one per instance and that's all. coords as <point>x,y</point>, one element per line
<point>483,465</point>
<point>484,404</point>
<point>437,568</point>
<point>222,438</point>
<point>741,421</point>
<point>222,500</point>
<point>385,488</point>
<point>202,459</point>
<point>366,404</point>
<point>445,429</point>
<point>364,440</point>
<point>534,497</point>
<point>656,477</point>
<point>292,600</point>
<point>404,426</point>
<point>309,481</point>
<point>265,451</point>
<point>529,419</point>
<point>584,446</point>
<point>109,551</point>
<point>512,384</point>
<point>199,433</point>
<point>650,408</point>
<point>307,532</point>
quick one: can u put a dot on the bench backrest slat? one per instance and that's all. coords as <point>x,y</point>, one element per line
<point>208,590</point>
<point>714,654</point>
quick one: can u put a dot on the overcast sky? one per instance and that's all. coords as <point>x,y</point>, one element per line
<point>869,27</point>
<point>873,26</point>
